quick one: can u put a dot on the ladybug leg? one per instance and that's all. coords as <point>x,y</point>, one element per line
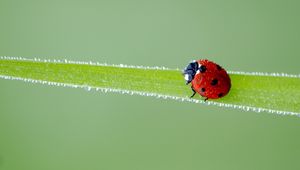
<point>206,99</point>
<point>194,92</point>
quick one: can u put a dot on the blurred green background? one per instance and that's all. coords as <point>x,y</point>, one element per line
<point>54,128</point>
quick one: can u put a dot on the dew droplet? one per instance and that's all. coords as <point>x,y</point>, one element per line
<point>87,88</point>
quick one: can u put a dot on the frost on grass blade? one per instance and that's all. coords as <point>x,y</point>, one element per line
<point>265,95</point>
<point>66,61</point>
<point>160,96</point>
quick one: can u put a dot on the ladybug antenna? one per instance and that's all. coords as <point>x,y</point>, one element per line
<point>190,71</point>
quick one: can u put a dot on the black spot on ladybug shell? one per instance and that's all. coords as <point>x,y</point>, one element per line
<point>214,82</point>
<point>220,94</point>
<point>219,67</point>
<point>202,69</point>
<point>202,89</point>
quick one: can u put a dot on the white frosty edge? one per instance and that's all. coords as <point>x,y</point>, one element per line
<point>140,93</point>
<point>65,61</point>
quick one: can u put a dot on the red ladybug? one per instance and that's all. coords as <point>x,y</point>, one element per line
<point>208,79</point>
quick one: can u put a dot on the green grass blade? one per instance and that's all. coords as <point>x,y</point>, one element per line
<point>274,94</point>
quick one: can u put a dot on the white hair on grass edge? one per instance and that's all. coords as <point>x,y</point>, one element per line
<point>65,61</point>
<point>264,74</point>
<point>140,93</point>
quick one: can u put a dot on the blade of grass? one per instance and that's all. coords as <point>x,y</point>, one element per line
<point>274,93</point>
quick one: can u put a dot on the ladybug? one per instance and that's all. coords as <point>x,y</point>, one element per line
<point>208,79</point>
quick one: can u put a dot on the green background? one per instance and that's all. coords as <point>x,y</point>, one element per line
<point>44,127</point>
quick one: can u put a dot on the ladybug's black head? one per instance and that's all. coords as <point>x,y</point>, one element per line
<point>190,71</point>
